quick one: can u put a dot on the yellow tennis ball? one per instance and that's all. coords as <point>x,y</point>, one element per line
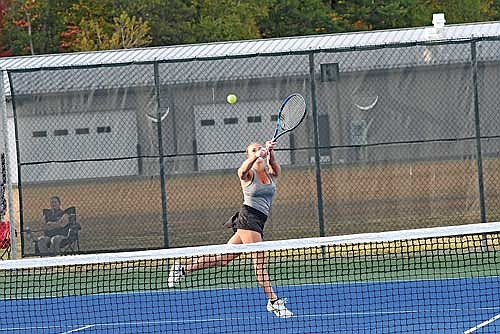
<point>231,99</point>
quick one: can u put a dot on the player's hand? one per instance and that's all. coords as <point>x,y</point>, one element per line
<point>270,145</point>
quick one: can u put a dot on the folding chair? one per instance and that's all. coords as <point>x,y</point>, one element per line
<point>70,244</point>
<point>4,240</point>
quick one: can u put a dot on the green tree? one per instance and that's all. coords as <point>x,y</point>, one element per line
<point>224,20</point>
<point>32,26</point>
<point>171,20</point>
<point>103,25</point>
<point>494,10</point>
<point>459,11</point>
<point>125,32</point>
<point>5,50</point>
<point>379,14</point>
<point>299,17</point>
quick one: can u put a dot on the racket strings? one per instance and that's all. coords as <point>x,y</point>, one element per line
<point>293,112</point>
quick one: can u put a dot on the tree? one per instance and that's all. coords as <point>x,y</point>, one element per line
<point>4,47</point>
<point>103,25</point>
<point>296,17</point>
<point>380,14</point>
<point>171,21</point>
<point>494,10</point>
<point>461,11</point>
<point>32,26</point>
<point>125,32</point>
<point>224,20</point>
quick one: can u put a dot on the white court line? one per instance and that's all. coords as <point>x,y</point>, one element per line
<point>297,316</point>
<point>78,329</point>
<point>481,325</point>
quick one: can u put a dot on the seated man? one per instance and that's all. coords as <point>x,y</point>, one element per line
<point>57,223</point>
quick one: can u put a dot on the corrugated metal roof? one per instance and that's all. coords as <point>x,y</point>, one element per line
<point>253,47</point>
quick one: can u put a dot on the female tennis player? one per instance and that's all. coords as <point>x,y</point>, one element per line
<point>256,175</point>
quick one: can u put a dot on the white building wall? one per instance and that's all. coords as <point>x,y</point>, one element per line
<point>216,131</point>
<point>39,142</point>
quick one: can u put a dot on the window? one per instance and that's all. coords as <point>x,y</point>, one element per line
<point>39,134</point>
<point>61,132</point>
<point>103,129</point>
<point>254,119</point>
<point>82,131</point>
<point>324,136</point>
<point>231,120</point>
<point>207,122</point>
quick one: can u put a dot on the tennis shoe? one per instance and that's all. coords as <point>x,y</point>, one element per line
<point>278,308</point>
<point>175,275</point>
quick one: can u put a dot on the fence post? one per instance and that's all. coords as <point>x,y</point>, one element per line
<point>317,164</point>
<point>478,133</point>
<point>161,158</point>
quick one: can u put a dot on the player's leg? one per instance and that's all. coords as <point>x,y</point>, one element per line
<point>214,260</point>
<point>178,271</point>
<point>274,304</point>
<point>259,262</point>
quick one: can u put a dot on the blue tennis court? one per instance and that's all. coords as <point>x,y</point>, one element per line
<point>469,305</point>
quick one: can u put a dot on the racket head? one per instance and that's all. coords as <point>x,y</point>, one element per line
<point>291,114</point>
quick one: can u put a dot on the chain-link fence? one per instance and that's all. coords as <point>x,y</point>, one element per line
<point>395,137</point>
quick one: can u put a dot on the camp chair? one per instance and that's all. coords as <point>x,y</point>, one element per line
<point>4,240</point>
<point>70,244</point>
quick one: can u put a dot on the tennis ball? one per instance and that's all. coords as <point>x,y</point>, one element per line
<point>231,99</point>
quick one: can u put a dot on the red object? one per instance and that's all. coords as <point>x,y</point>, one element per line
<point>4,235</point>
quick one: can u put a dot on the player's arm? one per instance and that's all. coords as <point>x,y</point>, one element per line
<point>272,163</point>
<point>245,171</point>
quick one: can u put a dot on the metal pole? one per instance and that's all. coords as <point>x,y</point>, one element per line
<point>161,159</point>
<point>319,190</point>
<point>10,198</point>
<point>478,134</point>
<point>480,178</point>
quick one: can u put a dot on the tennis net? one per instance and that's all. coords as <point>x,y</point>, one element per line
<point>435,280</point>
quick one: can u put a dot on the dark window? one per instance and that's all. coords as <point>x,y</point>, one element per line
<point>231,120</point>
<point>38,134</point>
<point>254,119</point>
<point>103,129</point>
<point>207,122</point>
<point>324,134</point>
<point>82,131</point>
<point>62,132</point>
<point>274,118</point>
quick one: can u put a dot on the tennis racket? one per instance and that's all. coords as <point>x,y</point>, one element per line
<point>291,114</point>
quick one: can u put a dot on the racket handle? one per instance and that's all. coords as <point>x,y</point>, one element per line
<point>275,136</point>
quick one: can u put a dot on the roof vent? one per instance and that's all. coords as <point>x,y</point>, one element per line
<point>438,20</point>
<point>437,30</point>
